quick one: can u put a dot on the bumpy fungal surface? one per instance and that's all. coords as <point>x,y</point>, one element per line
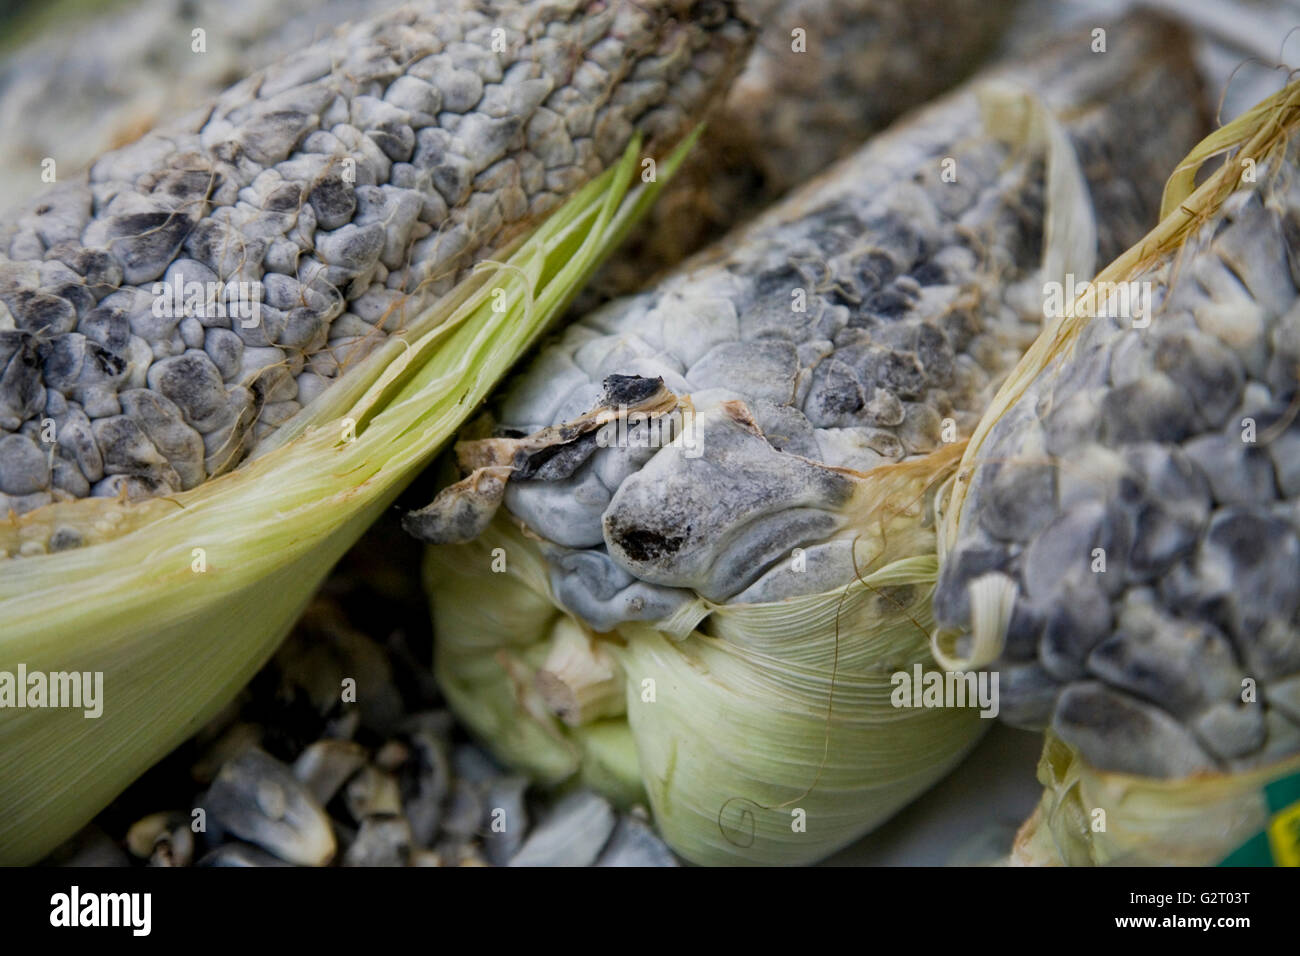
<point>865,321</point>
<point>1141,500</point>
<point>192,293</point>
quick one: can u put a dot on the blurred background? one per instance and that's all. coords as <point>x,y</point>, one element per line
<point>78,77</point>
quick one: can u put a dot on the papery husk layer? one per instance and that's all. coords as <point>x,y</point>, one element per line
<point>759,733</point>
<point>1088,816</point>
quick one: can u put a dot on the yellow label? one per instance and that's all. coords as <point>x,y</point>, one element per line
<point>1284,836</point>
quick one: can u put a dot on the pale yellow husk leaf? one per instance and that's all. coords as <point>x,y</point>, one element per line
<point>1196,821</point>
<point>178,601</point>
<point>1089,817</point>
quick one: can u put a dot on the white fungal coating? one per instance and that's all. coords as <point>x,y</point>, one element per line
<point>1143,497</point>
<point>842,330</point>
<point>163,314</point>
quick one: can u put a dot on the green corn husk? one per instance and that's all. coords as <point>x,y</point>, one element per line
<point>178,631</point>
<point>1142,821</point>
<point>692,704</point>
<point>1093,816</point>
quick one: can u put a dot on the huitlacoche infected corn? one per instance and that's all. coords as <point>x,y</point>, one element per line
<point>1121,540</point>
<point>863,64</point>
<point>198,288</point>
<point>824,76</point>
<point>918,301</point>
<point>823,367</point>
<point>1138,507</point>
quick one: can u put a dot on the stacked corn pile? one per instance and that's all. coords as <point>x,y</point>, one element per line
<point>716,547</point>
<point>891,60</point>
<point>688,566</point>
<point>1123,540</point>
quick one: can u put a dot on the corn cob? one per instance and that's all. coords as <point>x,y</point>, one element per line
<point>806,372</point>
<point>359,182</point>
<point>824,75</point>
<point>1123,539</point>
<point>461,147</point>
<point>789,115</point>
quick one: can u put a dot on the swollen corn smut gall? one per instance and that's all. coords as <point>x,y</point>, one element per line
<point>303,218</point>
<point>851,323</point>
<point>1139,499</point>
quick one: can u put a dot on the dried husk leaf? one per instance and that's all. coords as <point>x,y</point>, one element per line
<point>1089,817</point>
